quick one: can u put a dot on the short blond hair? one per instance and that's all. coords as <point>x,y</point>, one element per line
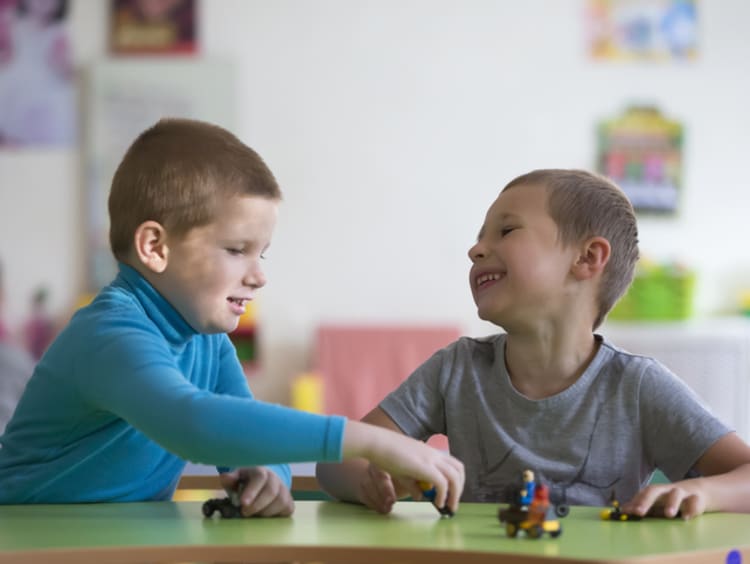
<point>175,173</point>
<point>583,205</point>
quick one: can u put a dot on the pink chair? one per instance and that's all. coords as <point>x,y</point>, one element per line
<point>359,365</point>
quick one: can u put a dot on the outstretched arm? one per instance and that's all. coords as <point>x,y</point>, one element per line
<point>724,485</point>
<point>381,464</point>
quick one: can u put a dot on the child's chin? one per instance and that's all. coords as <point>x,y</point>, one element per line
<point>486,314</point>
<point>214,329</point>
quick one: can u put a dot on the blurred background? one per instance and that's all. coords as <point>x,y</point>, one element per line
<point>391,126</point>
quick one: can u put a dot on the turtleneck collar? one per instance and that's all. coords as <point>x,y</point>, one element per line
<point>172,325</point>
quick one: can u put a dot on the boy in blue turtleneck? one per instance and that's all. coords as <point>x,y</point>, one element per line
<point>145,377</point>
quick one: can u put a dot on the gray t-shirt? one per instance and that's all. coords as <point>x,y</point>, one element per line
<point>626,416</point>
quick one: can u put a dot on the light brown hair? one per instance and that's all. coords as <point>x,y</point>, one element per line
<point>584,205</point>
<point>175,173</point>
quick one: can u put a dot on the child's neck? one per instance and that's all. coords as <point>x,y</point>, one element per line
<point>541,365</point>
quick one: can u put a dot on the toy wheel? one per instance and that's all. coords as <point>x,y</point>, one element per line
<point>511,529</point>
<point>535,532</point>
<point>623,517</point>
<point>562,510</point>
<point>555,534</point>
<point>208,509</point>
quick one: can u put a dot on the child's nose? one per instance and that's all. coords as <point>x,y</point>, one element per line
<point>255,277</point>
<point>476,252</point>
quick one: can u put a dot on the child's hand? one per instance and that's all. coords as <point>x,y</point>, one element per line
<point>264,494</point>
<point>667,500</point>
<point>378,490</point>
<point>408,459</point>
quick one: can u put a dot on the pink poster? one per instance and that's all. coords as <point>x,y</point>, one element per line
<point>37,94</point>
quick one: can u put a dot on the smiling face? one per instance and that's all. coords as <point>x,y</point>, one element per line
<point>214,270</point>
<point>520,268</point>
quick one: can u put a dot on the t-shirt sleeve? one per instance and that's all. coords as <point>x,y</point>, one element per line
<point>417,406</point>
<point>676,424</point>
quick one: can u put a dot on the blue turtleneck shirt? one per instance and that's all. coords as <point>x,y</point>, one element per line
<point>128,392</point>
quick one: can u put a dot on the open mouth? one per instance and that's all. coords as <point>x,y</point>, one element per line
<point>237,305</point>
<point>485,280</point>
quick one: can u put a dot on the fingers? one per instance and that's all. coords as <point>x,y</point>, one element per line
<point>672,501</point>
<point>229,480</point>
<point>448,491</point>
<point>643,501</point>
<point>370,498</point>
<point>454,493</point>
<point>667,500</point>
<point>264,495</point>
<point>410,459</point>
<point>691,506</point>
<point>377,490</point>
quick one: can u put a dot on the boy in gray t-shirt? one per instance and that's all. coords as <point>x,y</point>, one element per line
<point>557,249</point>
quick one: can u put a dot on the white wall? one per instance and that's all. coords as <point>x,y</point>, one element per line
<point>391,126</point>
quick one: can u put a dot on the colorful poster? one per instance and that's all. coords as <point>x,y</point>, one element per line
<point>38,103</point>
<point>641,150</point>
<point>642,29</point>
<point>153,27</point>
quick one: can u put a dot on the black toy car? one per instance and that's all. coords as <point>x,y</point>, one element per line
<point>616,514</point>
<point>228,507</point>
<point>224,506</point>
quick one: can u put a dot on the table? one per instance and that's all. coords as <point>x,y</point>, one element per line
<point>345,533</point>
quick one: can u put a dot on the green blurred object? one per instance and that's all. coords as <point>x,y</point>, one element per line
<point>745,302</point>
<point>658,293</point>
<point>245,347</point>
<point>659,478</point>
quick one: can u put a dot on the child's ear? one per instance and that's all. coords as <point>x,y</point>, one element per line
<point>595,253</point>
<point>150,242</point>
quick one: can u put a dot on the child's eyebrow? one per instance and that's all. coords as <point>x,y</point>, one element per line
<point>500,218</point>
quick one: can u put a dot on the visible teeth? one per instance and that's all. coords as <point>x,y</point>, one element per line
<point>486,278</point>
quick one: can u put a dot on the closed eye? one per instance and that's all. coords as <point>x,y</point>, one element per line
<point>235,252</point>
<point>507,230</point>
